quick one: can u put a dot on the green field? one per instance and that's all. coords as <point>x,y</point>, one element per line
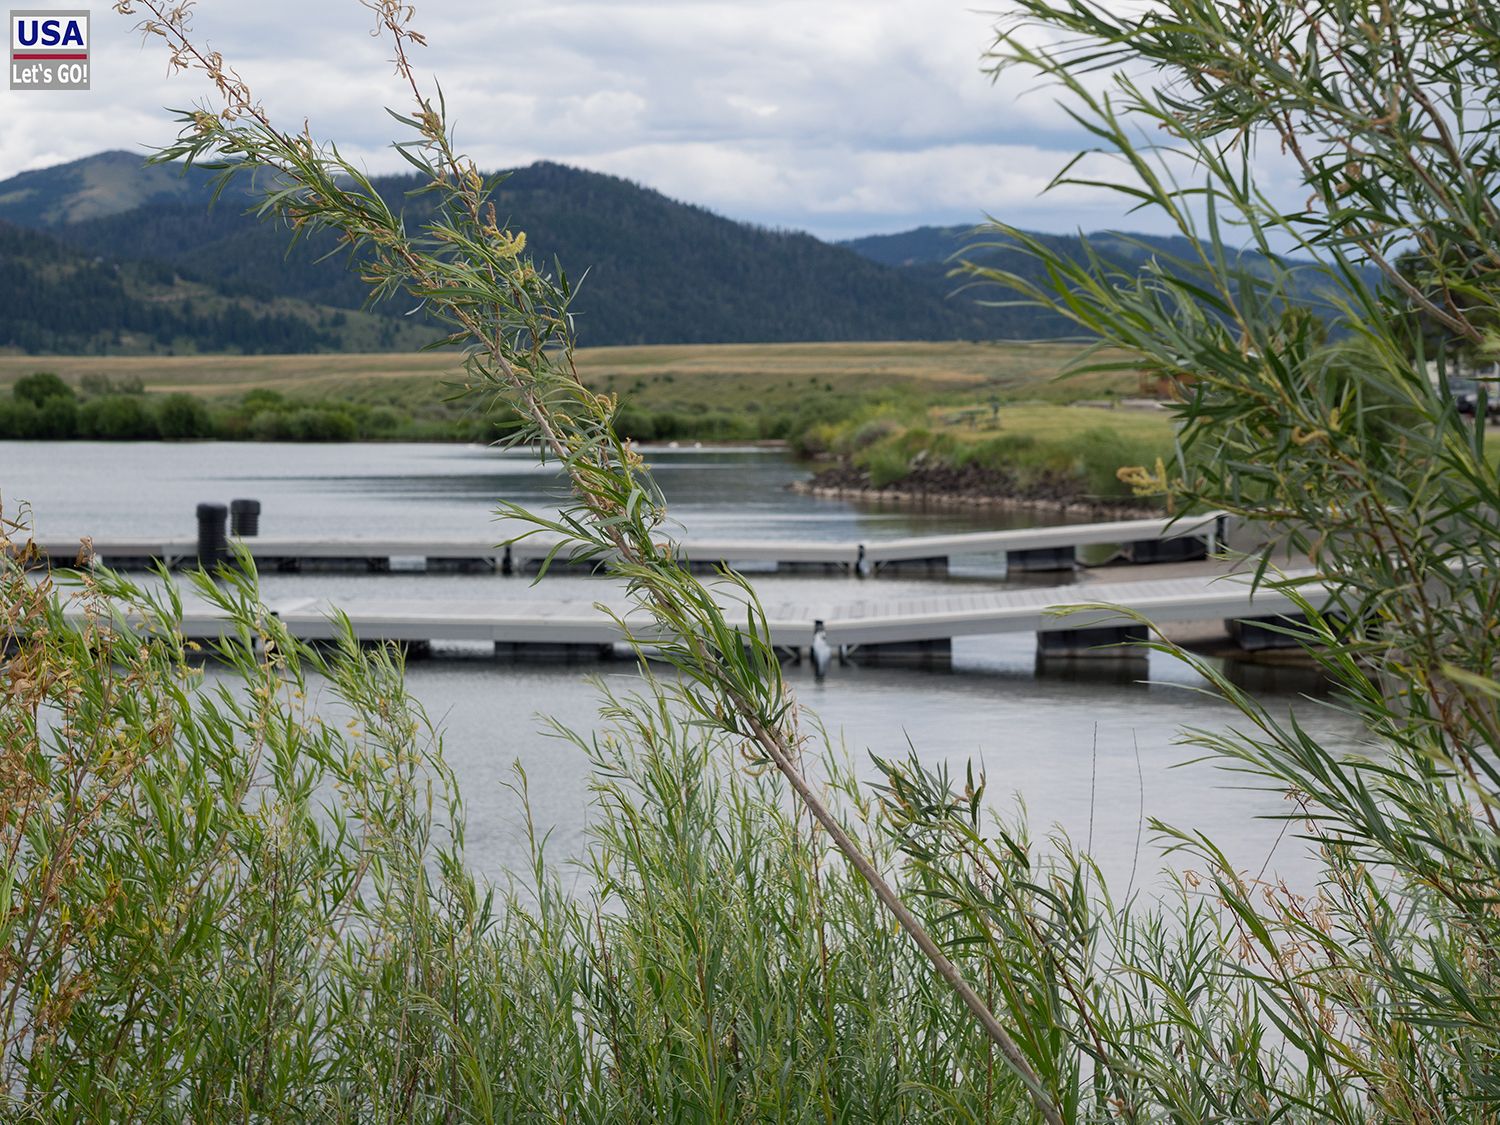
<point>729,392</point>
<point>682,375</point>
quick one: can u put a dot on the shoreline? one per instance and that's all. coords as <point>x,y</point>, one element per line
<point>938,488</point>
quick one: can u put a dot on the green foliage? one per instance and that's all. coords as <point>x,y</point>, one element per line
<point>38,388</point>
<point>267,914</point>
<point>18,419</point>
<point>57,418</point>
<point>117,418</point>
<point>1074,465</point>
<point>183,416</point>
<point>291,942</point>
<point>55,299</point>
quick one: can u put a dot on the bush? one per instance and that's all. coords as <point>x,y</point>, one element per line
<point>180,416</point>
<point>39,387</point>
<point>635,424</point>
<point>261,398</point>
<point>266,912</point>
<point>18,419</point>
<point>57,418</point>
<point>669,424</point>
<point>383,421</point>
<point>819,438</point>
<point>868,433</point>
<point>886,465</point>
<point>117,418</point>
<point>1102,453</point>
<point>317,424</point>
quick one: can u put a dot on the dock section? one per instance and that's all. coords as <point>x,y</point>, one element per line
<point>905,630</point>
<point>1025,550</point>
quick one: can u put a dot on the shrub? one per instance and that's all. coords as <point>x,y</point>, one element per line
<point>261,398</point>
<point>57,418</point>
<point>818,438</point>
<point>18,419</point>
<point>180,416</point>
<point>267,425</point>
<point>635,424</point>
<point>117,418</point>
<point>383,421</point>
<point>1101,454</point>
<point>868,433</point>
<point>39,387</point>
<point>318,424</point>
<point>266,912</point>
<point>668,424</point>
<point>886,465</point>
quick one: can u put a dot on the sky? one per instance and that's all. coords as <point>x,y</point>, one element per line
<point>840,117</point>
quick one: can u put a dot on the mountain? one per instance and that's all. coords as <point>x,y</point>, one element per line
<point>923,246</point>
<point>107,184</point>
<point>928,256</point>
<point>925,256</point>
<point>56,299</point>
<point>657,271</point>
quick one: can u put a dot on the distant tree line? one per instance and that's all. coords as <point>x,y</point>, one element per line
<point>44,407</point>
<point>54,300</point>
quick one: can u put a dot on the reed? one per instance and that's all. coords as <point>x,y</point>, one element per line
<point>220,902</point>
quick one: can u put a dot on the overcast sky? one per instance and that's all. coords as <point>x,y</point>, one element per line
<point>842,117</point>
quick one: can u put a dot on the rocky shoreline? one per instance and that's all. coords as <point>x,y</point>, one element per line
<point>942,486</point>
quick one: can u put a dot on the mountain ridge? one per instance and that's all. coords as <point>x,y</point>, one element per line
<point>657,270</point>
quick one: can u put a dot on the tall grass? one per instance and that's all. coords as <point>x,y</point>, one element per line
<point>244,895</point>
<point>217,903</point>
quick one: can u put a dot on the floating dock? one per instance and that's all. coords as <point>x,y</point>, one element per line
<point>1028,549</point>
<point>905,630</point>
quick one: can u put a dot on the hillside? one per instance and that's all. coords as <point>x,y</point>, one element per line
<point>658,271</point>
<point>653,270</point>
<point>927,256</point>
<point>106,184</point>
<point>54,299</point>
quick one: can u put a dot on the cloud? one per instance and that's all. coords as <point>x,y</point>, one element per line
<point>841,116</point>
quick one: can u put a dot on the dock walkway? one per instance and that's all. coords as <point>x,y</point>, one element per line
<point>1026,549</point>
<point>875,627</point>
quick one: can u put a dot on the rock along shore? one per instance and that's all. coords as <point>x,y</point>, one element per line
<point>969,487</point>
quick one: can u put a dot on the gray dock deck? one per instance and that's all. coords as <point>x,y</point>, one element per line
<point>1036,548</point>
<point>864,624</point>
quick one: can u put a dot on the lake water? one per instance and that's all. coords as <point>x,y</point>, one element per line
<point>1085,751</point>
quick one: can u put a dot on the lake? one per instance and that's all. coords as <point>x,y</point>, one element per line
<point>1085,751</point>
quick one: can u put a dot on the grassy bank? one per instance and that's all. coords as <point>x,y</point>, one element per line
<point>1032,451</point>
<point>726,392</point>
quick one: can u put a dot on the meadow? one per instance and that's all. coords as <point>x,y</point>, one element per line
<point>684,376</point>
<point>803,394</point>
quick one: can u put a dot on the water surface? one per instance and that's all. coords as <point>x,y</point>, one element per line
<point>1092,751</point>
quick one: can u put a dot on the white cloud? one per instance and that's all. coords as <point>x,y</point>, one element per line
<point>839,116</point>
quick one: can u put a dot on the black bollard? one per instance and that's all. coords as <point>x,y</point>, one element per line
<point>213,545</point>
<point>244,518</point>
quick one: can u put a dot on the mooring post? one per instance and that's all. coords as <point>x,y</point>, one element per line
<point>213,543</point>
<point>244,518</point>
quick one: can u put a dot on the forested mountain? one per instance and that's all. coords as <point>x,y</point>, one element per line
<point>55,299</point>
<point>929,255</point>
<point>656,270</point>
<point>105,184</point>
